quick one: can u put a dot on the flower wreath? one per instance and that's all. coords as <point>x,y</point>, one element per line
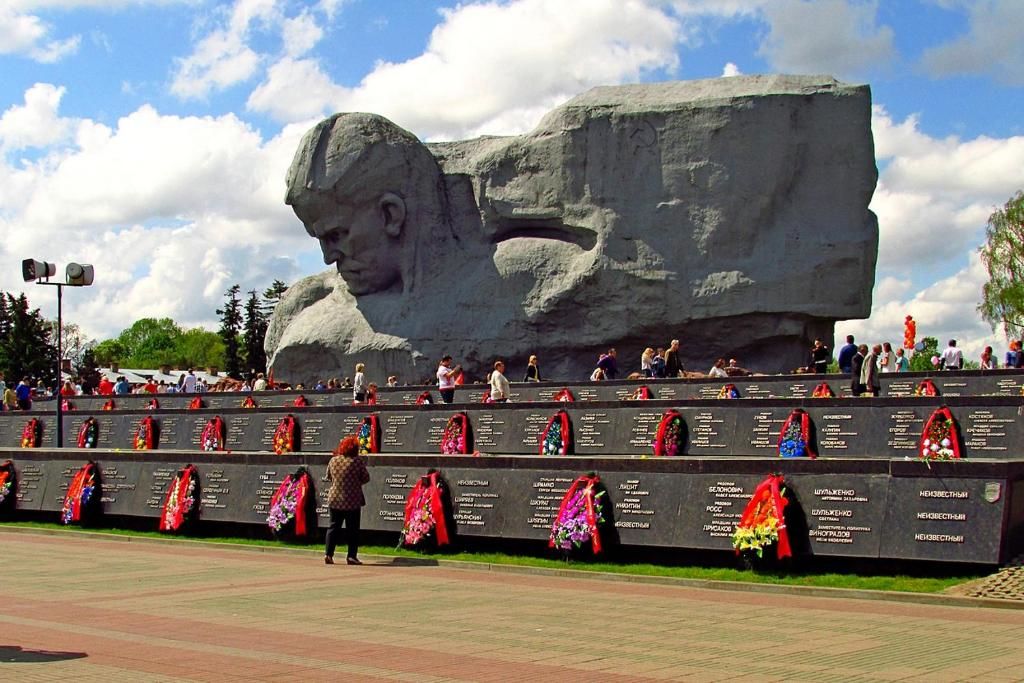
<point>8,476</point>
<point>66,405</point>
<point>248,402</point>
<point>212,436</point>
<point>32,434</point>
<point>145,434</point>
<point>580,515</point>
<point>668,440</point>
<point>641,393</point>
<point>926,388</point>
<point>486,397</point>
<point>109,405</point>
<point>424,399</point>
<point>940,439</point>
<point>763,522</point>
<point>425,512</point>
<point>729,391</point>
<point>153,404</point>
<point>823,390</point>
<point>196,403</point>
<point>299,402</point>
<point>284,436</point>
<point>290,502</point>
<point>180,500</point>
<point>565,396</point>
<point>88,433</point>
<point>556,439</point>
<point>369,435</point>
<point>80,494</point>
<point>458,436</point>
<point>795,436</point>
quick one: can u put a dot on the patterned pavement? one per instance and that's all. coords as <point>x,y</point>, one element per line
<point>77,607</point>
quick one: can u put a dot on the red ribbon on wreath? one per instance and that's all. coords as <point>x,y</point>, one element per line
<point>195,404</point>
<point>668,438</point>
<point>641,393</point>
<point>823,390</point>
<point>926,388</point>
<point>248,402</point>
<point>81,488</point>
<point>457,438</point>
<point>795,436</point>
<point>153,404</point>
<point>424,399</point>
<point>299,402</point>
<point>768,499</point>
<point>176,506</point>
<point>32,434</point>
<point>212,436</point>
<point>109,405</point>
<point>430,488</point>
<point>589,482</point>
<point>300,480</point>
<point>144,438</point>
<point>8,477</point>
<point>67,406</point>
<point>88,433</point>
<point>556,439</point>
<point>284,435</point>
<point>564,396</point>
<point>940,438</point>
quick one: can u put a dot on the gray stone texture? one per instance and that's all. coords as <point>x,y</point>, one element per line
<point>731,213</point>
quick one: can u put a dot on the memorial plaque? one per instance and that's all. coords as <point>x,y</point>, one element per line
<point>430,426</point>
<point>386,495</point>
<point>478,499</point>
<point>261,481</point>
<point>31,477</point>
<point>647,506</point>
<point>223,496</point>
<point>1007,386</point>
<point>944,519</point>
<point>712,507</point>
<point>761,429</point>
<point>154,480</point>
<point>61,474</point>
<point>844,513</point>
<point>544,495</point>
<point>644,431</point>
<point>398,432</point>
<point>904,431</point>
<point>985,433</point>
<point>711,430</point>
<point>315,435</point>
<point>489,430</point>
<point>237,427</point>
<point>899,387</point>
<point>120,480</point>
<point>840,433</point>
<point>529,427</point>
<point>592,431</point>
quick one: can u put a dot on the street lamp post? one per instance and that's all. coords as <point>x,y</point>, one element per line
<point>76,275</point>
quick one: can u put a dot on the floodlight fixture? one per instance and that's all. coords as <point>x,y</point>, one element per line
<point>79,274</point>
<point>37,270</point>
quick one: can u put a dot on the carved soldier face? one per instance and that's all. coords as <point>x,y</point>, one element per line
<point>362,240</point>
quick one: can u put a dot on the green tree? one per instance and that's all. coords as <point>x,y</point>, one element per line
<point>27,347</point>
<point>108,352</point>
<point>1002,301</point>
<point>150,343</point>
<point>255,332</point>
<point>230,326</point>
<point>922,360</point>
<point>272,296</point>
<point>199,348</point>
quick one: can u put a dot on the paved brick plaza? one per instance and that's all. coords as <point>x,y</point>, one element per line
<point>75,607</point>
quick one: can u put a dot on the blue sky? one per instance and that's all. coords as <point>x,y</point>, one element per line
<point>151,137</point>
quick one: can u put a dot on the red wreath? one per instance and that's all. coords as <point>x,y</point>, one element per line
<point>248,402</point>
<point>284,436</point>
<point>668,440</point>
<point>195,404</point>
<point>8,481</point>
<point>926,388</point>
<point>729,391</point>
<point>823,390</point>
<point>564,395</point>
<point>109,405</point>
<point>641,393</point>
<point>32,434</point>
<point>940,438</point>
<point>424,399</point>
<point>486,396</point>
<point>180,502</point>
<point>145,439</point>
<point>457,438</point>
<point>427,492</point>
<point>301,481</point>
<point>88,433</point>
<point>589,483</point>
<point>67,406</point>
<point>556,439</point>
<point>795,436</point>
<point>768,500</point>
<point>212,436</point>
<point>153,404</point>
<point>81,490</point>
<point>368,435</point>
<point>299,402</point>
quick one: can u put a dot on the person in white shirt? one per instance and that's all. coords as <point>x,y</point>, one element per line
<point>189,383</point>
<point>446,379</point>
<point>952,358</point>
<point>359,384</point>
<point>500,387</point>
<point>718,369</point>
<point>261,382</point>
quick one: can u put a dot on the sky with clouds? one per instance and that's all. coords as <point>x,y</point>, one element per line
<point>151,137</point>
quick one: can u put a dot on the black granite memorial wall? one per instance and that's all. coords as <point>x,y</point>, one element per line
<point>939,511</point>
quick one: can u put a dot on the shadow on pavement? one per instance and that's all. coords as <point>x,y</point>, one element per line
<point>12,654</point>
<point>409,562</point>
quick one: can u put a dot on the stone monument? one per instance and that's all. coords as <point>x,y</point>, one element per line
<point>731,213</point>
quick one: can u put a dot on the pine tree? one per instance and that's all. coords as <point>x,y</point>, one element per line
<point>27,347</point>
<point>255,332</point>
<point>272,296</point>
<point>230,326</point>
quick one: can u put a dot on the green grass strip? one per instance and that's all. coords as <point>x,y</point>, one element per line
<point>796,577</point>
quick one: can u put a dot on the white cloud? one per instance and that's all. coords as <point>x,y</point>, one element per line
<point>991,44</point>
<point>36,123</point>
<point>276,95</point>
<point>489,66</point>
<point>840,37</point>
<point>170,210</point>
<point>28,35</point>
<point>300,34</point>
<point>731,69</point>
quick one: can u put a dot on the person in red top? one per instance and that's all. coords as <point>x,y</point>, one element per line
<point>150,386</point>
<point>105,387</point>
<point>68,389</point>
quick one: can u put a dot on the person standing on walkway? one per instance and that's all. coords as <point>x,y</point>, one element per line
<point>500,388</point>
<point>347,473</point>
<point>673,366</point>
<point>532,370</point>
<point>446,379</point>
<point>359,384</point>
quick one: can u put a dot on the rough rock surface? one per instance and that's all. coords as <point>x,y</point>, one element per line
<point>731,213</point>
